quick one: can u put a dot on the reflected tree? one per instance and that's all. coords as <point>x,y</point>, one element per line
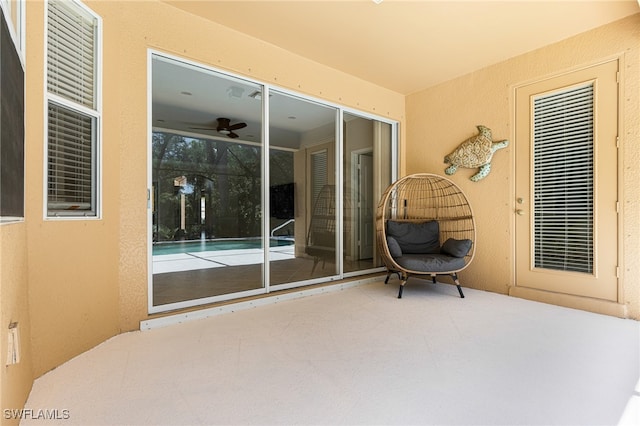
<point>222,196</point>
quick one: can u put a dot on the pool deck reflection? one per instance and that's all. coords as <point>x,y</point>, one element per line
<point>190,261</point>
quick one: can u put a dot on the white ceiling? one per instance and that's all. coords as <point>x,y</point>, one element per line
<point>186,98</point>
<point>407,46</point>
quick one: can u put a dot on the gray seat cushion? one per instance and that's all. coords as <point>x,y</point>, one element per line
<point>414,238</point>
<point>430,262</point>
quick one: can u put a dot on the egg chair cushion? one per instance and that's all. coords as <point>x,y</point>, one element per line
<point>415,238</point>
<point>456,248</point>
<point>394,247</point>
<point>430,262</point>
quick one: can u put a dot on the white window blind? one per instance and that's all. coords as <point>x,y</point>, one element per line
<point>319,173</point>
<point>71,47</point>
<point>71,162</point>
<point>73,111</point>
<point>564,180</point>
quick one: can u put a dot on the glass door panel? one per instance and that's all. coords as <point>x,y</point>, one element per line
<point>207,180</point>
<point>367,173</point>
<point>229,190</point>
<point>303,211</point>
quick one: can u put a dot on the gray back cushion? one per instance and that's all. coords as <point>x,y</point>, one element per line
<point>416,238</point>
<point>456,248</point>
<point>394,247</point>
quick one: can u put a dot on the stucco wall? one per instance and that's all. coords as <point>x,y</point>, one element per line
<point>72,278</point>
<point>16,378</point>
<point>441,117</point>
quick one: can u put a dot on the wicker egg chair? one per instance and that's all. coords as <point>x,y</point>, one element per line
<point>321,238</point>
<point>425,226</point>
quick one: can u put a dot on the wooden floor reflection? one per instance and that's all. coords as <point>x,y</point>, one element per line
<point>174,287</point>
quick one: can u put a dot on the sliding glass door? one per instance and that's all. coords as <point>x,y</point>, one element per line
<point>254,189</point>
<point>207,155</point>
<point>302,174</point>
<point>367,173</point>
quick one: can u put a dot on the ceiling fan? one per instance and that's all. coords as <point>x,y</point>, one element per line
<point>224,127</point>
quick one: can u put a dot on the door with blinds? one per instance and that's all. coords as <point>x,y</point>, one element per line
<point>566,183</point>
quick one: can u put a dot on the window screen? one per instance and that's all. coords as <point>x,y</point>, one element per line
<point>11,128</point>
<point>564,180</point>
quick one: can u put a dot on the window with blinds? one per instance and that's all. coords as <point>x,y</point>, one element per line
<point>563,151</point>
<point>71,170</point>
<point>73,113</point>
<point>319,173</point>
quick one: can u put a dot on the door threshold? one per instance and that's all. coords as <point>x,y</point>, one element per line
<point>598,306</point>
<point>252,302</point>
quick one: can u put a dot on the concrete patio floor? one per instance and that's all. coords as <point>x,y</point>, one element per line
<point>360,356</point>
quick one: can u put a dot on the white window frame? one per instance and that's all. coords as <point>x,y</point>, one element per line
<point>17,27</point>
<point>95,113</point>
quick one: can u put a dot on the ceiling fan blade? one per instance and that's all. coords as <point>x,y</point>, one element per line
<point>237,126</point>
<point>232,135</point>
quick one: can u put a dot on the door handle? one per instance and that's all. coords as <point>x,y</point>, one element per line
<point>520,212</point>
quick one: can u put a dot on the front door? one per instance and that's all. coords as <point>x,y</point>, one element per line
<point>566,183</point>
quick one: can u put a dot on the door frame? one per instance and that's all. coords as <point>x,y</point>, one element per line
<point>336,173</point>
<point>614,308</point>
<point>355,190</point>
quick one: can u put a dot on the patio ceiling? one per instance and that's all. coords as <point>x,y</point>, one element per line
<point>407,46</point>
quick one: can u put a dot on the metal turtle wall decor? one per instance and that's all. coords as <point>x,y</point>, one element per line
<point>477,151</point>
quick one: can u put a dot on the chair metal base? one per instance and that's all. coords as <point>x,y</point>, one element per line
<point>389,273</point>
<point>404,278</point>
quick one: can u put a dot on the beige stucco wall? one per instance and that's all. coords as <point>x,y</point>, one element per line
<point>73,264</point>
<point>441,117</point>
<point>16,379</point>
